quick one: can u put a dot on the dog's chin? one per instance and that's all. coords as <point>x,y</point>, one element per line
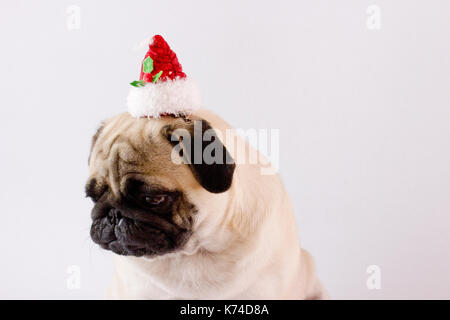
<point>127,250</point>
<point>130,237</point>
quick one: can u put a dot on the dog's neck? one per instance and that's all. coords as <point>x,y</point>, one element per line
<point>191,275</point>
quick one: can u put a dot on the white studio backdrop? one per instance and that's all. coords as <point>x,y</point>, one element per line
<point>358,89</point>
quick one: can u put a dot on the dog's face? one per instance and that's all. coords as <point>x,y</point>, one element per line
<point>142,197</point>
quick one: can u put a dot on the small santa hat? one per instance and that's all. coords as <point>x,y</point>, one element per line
<point>163,88</point>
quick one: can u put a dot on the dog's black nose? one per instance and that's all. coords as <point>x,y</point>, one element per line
<point>114,216</point>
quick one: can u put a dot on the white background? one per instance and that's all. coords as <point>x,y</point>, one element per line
<point>364,119</point>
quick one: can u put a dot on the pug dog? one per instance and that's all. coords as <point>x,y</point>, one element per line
<point>185,229</point>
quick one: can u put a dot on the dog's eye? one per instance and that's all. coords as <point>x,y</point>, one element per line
<point>155,200</point>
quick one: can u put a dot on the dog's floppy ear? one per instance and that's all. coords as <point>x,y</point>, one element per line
<point>94,139</point>
<point>201,149</point>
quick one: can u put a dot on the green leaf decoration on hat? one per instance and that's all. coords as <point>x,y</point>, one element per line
<point>147,65</point>
<point>156,76</point>
<point>138,83</point>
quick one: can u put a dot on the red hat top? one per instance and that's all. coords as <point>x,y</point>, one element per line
<point>164,59</point>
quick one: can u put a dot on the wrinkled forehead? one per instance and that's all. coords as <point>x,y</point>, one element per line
<point>130,148</point>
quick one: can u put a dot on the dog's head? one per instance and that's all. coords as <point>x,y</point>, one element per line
<point>148,182</point>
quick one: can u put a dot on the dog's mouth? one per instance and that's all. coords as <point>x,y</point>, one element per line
<point>131,237</point>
